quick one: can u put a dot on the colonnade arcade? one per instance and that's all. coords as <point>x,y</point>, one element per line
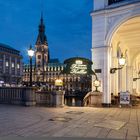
<point>126,40</point>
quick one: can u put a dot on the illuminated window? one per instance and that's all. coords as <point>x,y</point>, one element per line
<point>18,66</point>
<point>7,63</point>
<point>13,64</point>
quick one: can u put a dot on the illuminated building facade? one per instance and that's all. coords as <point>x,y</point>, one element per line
<point>45,71</point>
<point>10,65</point>
<point>116,33</point>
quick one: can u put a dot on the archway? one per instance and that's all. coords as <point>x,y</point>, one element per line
<point>126,40</point>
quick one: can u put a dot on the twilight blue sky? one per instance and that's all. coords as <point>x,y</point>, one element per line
<point>67,22</point>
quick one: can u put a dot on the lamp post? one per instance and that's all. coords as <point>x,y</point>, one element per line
<point>30,54</point>
<point>122,61</point>
<point>96,84</point>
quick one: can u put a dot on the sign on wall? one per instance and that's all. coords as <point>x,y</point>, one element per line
<point>124,98</point>
<point>78,66</point>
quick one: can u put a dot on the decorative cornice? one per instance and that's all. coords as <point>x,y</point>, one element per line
<point>115,10</point>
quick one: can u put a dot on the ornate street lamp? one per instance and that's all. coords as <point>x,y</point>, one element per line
<point>30,54</point>
<point>58,83</point>
<point>96,83</point>
<point>122,61</point>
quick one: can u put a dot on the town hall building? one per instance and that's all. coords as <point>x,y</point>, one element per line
<point>46,71</point>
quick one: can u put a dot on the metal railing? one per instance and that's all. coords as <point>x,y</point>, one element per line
<point>17,95</point>
<point>29,96</point>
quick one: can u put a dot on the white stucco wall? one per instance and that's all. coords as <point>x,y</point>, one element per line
<point>99,4</point>
<point>104,24</point>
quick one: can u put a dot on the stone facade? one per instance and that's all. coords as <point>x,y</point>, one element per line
<point>28,96</point>
<point>112,25</point>
<point>10,65</point>
<point>45,71</point>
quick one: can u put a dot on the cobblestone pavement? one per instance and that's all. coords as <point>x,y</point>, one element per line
<point>114,123</point>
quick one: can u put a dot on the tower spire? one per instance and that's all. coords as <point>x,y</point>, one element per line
<point>41,39</point>
<point>41,17</point>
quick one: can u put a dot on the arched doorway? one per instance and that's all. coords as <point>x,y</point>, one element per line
<point>126,40</point>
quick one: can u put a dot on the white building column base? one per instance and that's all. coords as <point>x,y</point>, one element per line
<point>101,60</point>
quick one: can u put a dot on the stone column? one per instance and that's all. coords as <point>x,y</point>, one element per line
<point>21,68</point>
<point>114,77</point>
<point>119,80</point>
<point>58,100</point>
<point>139,87</point>
<point>129,79</point>
<point>123,79</point>
<point>4,65</point>
<point>134,82</point>
<point>73,101</point>
<point>65,101</point>
<point>102,60</point>
<point>29,96</point>
<point>16,66</point>
<point>10,65</point>
<point>106,78</point>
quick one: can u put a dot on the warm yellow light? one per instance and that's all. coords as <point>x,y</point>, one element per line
<point>31,52</point>
<point>58,82</point>
<point>96,83</point>
<point>122,61</point>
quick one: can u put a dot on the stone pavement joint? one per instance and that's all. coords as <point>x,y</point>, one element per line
<point>109,123</point>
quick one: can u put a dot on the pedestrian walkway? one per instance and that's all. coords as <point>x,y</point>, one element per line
<point>111,123</point>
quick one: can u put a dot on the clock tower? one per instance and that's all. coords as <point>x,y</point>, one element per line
<point>41,46</point>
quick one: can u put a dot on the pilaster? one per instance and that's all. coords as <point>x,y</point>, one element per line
<point>4,64</point>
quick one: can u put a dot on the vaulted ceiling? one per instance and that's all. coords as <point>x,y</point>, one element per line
<point>128,34</point>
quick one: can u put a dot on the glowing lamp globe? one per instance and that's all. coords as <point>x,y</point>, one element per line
<point>122,61</point>
<point>58,82</point>
<point>31,52</point>
<point>96,83</point>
